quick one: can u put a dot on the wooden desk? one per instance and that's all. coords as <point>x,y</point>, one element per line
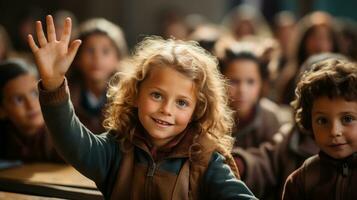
<point>50,180</point>
<point>16,196</point>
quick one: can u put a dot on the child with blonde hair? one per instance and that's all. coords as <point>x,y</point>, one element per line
<point>167,121</point>
<point>326,105</point>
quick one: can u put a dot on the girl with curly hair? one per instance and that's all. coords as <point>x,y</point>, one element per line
<point>167,122</point>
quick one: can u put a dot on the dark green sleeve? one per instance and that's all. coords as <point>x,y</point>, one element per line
<point>220,183</point>
<point>95,156</point>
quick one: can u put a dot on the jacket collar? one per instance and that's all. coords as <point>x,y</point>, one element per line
<point>351,160</point>
<point>178,147</point>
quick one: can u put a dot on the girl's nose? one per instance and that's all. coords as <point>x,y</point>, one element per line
<point>31,102</point>
<point>166,108</point>
<point>241,89</point>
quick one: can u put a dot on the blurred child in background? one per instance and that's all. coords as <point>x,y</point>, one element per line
<point>97,60</point>
<point>246,74</point>
<point>23,128</point>
<point>315,33</point>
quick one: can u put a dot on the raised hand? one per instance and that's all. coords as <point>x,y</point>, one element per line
<point>53,57</point>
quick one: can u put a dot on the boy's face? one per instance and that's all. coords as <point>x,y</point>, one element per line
<point>98,58</point>
<point>334,124</point>
<point>245,85</point>
<point>21,105</point>
<point>165,103</point>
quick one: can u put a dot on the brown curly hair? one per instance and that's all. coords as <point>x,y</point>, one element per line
<point>211,116</point>
<point>334,78</point>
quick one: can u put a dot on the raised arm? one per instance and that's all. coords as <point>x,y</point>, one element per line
<point>53,57</point>
<point>95,156</point>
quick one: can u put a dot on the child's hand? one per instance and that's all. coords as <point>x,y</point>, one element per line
<point>53,58</point>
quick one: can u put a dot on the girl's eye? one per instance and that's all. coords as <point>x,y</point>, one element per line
<point>156,96</point>
<point>106,51</point>
<point>321,120</point>
<point>347,119</point>
<point>34,93</point>
<point>18,100</point>
<point>89,50</point>
<point>233,82</point>
<point>182,103</point>
<point>251,81</point>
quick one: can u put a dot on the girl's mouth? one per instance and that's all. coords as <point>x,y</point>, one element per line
<point>161,122</point>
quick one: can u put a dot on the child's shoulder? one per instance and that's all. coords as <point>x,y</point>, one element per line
<point>308,174</point>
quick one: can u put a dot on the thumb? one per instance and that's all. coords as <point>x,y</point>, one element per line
<point>73,48</point>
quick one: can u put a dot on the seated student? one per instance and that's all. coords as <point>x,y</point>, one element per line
<point>167,119</point>
<point>23,131</point>
<point>103,47</point>
<point>266,168</point>
<point>326,105</point>
<point>255,123</point>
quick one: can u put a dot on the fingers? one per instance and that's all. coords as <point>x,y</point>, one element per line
<point>73,48</point>
<point>32,43</point>
<point>40,35</point>
<point>51,33</point>
<point>66,35</point>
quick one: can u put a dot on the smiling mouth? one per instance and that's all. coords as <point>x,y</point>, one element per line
<point>164,123</point>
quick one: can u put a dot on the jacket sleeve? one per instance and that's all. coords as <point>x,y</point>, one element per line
<point>263,162</point>
<point>219,182</point>
<point>92,155</point>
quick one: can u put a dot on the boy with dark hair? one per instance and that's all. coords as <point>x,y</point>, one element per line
<point>326,105</point>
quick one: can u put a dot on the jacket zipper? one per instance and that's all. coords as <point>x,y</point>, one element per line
<point>341,182</point>
<point>150,180</point>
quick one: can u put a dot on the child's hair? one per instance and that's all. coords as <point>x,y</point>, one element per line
<point>211,115</point>
<point>306,26</point>
<point>333,78</point>
<point>244,51</point>
<point>105,27</point>
<point>10,70</point>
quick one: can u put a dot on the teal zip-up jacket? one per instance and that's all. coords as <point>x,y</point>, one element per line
<point>99,157</point>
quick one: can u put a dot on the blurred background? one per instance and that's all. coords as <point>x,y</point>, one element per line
<point>143,17</point>
<point>261,47</point>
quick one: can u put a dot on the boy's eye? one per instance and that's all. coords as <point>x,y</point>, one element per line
<point>321,120</point>
<point>182,103</point>
<point>156,96</point>
<point>347,119</point>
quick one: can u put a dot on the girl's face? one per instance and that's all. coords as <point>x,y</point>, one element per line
<point>245,85</point>
<point>334,123</point>
<point>98,58</point>
<point>165,102</point>
<point>319,41</point>
<point>21,105</point>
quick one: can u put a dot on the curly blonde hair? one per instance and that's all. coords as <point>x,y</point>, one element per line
<point>333,78</point>
<point>211,115</point>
